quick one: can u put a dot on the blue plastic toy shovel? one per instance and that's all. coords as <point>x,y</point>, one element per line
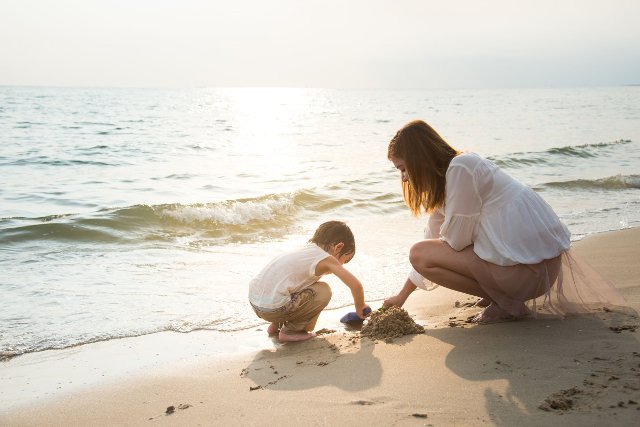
<point>351,317</point>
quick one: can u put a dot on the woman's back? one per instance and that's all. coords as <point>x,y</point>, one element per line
<point>508,222</point>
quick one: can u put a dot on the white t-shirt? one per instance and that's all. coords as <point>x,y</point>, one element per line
<point>284,275</point>
<point>507,222</point>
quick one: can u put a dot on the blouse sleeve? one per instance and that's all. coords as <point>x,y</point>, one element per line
<point>462,207</point>
<point>432,231</point>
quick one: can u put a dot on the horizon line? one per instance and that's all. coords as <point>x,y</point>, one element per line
<point>54,86</point>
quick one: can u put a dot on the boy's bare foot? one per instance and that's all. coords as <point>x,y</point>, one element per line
<point>493,314</point>
<point>273,328</point>
<point>295,337</point>
<point>484,302</point>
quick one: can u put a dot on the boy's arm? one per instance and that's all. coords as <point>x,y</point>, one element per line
<point>332,265</point>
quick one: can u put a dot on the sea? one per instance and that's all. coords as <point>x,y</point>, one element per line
<point>128,212</point>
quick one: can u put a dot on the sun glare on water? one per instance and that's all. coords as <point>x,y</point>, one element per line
<point>266,124</point>
<point>267,112</point>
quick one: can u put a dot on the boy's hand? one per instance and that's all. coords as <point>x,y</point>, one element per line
<point>360,311</point>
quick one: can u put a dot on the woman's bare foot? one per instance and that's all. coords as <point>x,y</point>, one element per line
<point>484,302</point>
<point>493,314</point>
<point>273,328</point>
<point>303,336</point>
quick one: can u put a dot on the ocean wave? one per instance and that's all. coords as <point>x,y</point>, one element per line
<point>8,352</point>
<point>555,156</point>
<point>26,345</point>
<point>44,160</point>
<point>55,231</point>
<point>618,182</point>
<point>239,220</point>
<point>243,212</point>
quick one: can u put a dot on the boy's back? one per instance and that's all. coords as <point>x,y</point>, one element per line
<point>286,274</point>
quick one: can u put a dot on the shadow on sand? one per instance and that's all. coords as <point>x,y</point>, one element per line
<point>596,359</point>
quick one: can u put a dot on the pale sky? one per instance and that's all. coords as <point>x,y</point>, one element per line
<point>320,43</point>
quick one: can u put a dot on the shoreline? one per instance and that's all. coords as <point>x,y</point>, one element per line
<point>332,317</point>
<point>337,376</point>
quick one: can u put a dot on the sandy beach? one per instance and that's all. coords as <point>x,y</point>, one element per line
<point>580,371</point>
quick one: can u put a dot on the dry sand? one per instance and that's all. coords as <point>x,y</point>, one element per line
<point>580,371</point>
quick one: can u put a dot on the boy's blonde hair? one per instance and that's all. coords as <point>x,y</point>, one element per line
<point>333,232</point>
<point>426,157</point>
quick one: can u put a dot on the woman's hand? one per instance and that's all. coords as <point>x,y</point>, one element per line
<point>399,300</point>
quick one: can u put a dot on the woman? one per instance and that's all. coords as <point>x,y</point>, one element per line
<point>488,235</point>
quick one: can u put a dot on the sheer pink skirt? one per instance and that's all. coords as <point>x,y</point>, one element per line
<point>559,286</point>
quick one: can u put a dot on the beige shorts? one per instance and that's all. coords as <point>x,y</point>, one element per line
<point>303,307</point>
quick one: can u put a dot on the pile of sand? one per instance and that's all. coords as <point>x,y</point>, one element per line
<point>387,324</point>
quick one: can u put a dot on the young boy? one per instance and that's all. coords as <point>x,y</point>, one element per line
<point>287,292</point>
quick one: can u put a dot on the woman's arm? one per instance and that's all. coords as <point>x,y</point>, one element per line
<point>462,207</point>
<point>432,230</point>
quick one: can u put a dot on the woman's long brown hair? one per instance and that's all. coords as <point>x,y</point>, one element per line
<point>426,157</point>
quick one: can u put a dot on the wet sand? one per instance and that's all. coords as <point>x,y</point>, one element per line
<point>583,370</point>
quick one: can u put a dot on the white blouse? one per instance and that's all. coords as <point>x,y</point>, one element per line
<point>507,222</point>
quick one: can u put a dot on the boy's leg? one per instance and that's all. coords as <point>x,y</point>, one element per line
<point>273,328</point>
<point>312,323</point>
<point>303,312</point>
<point>276,318</point>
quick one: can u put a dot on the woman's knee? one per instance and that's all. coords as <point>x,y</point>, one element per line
<point>421,255</point>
